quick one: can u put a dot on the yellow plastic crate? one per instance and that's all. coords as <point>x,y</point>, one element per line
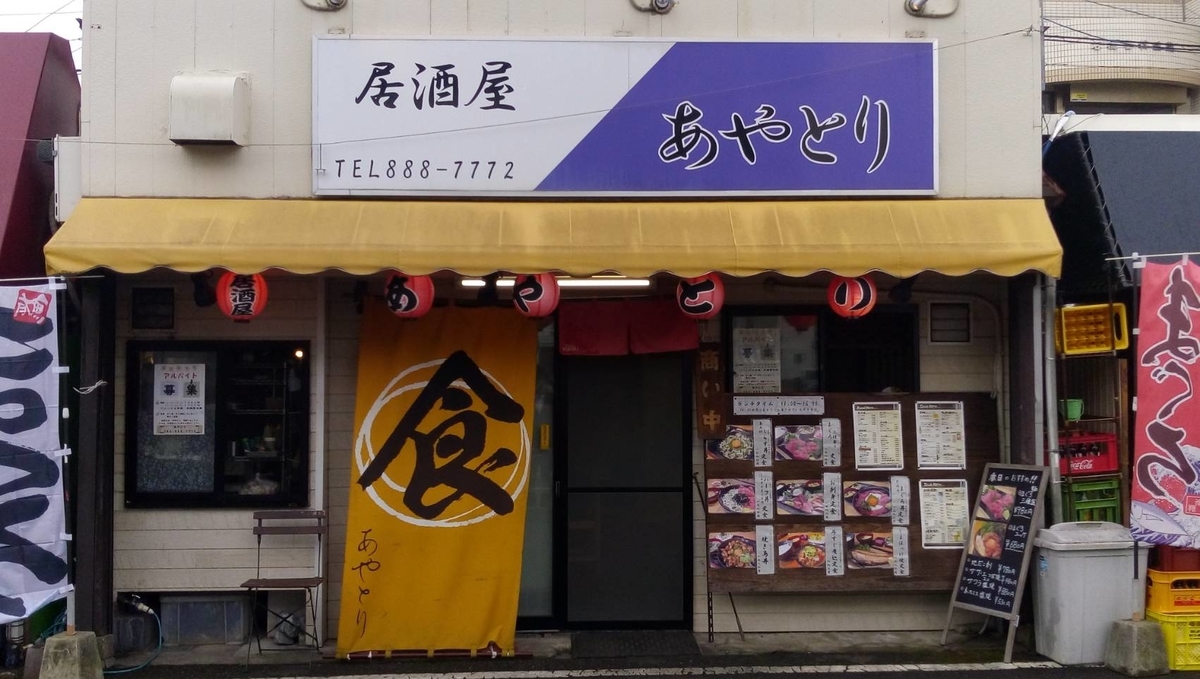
<point>1177,592</point>
<point>1091,328</point>
<point>1182,636</point>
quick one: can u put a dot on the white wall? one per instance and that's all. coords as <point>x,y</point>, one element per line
<point>989,79</point>
<point>161,550</point>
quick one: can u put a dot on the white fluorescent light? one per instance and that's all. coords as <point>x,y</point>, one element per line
<point>566,282</point>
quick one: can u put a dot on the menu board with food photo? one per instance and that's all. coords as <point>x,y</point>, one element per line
<point>872,499</point>
<point>730,496</point>
<point>993,566</point>
<point>800,497</point>
<point>845,518</point>
<point>802,550</point>
<point>732,550</point>
<point>738,444</point>
<point>869,550</point>
<point>801,442</point>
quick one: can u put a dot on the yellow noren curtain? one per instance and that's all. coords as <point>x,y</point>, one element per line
<point>740,238</point>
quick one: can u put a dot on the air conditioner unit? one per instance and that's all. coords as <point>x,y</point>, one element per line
<point>210,108</point>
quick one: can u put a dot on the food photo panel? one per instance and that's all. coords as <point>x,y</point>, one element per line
<point>802,550</point>
<point>800,497</point>
<point>869,550</point>
<point>801,442</point>
<point>987,539</point>
<point>996,503</point>
<point>730,496</point>
<point>732,550</point>
<point>738,444</point>
<point>872,499</point>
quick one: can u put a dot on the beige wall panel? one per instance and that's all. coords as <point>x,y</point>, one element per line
<point>989,117</point>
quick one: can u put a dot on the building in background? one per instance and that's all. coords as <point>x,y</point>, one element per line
<point>41,101</point>
<point>266,136</point>
<point>1122,57</point>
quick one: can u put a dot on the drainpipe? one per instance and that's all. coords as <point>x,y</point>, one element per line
<point>1049,376</point>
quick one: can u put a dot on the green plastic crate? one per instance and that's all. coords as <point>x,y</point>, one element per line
<point>1098,500</point>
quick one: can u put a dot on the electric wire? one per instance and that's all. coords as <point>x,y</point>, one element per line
<point>1193,24</point>
<point>43,19</point>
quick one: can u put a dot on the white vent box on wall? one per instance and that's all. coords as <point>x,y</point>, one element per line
<point>210,108</point>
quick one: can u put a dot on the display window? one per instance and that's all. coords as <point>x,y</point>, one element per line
<point>807,350</point>
<point>217,424</point>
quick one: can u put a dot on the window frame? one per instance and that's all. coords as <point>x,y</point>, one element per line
<point>950,343</point>
<point>731,312</point>
<point>824,315</point>
<point>216,499</point>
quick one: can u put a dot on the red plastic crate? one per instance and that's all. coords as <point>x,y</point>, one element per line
<point>1082,454</point>
<point>1176,559</point>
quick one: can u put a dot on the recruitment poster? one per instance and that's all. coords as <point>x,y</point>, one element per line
<point>1165,501</point>
<point>438,481</point>
<point>756,368</point>
<point>179,399</point>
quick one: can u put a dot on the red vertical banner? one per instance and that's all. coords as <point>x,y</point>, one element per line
<point>1165,484</point>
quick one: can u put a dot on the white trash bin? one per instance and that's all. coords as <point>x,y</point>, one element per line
<point>1083,582</point>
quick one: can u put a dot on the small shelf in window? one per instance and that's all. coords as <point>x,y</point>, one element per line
<point>247,382</point>
<point>257,411</point>
<point>274,457</point>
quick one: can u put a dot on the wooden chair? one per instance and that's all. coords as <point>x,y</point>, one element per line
<point>299,522</point>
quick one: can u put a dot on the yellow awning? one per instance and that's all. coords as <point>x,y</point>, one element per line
<point>794,238</point>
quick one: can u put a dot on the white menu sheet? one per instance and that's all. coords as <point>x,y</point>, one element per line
<point>945,513</point>
<point>831,441</point>
<point>764,541</point>
<point>878,441</point>
<point>941,435</point>
<point>764,442</point>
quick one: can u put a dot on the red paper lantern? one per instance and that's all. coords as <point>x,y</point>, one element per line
<point>701,298</point>
<point>852,297</point>
<point>408,296</point>
<point>241,297</point>
<point>536,295</point>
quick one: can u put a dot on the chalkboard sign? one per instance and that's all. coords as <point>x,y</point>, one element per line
<point>991,576</point>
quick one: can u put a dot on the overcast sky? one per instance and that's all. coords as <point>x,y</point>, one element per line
<point>48,16</point>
